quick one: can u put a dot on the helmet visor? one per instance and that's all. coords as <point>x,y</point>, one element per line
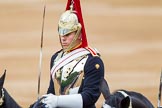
<point>65,31</point>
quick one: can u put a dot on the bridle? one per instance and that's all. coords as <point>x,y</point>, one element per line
<point>126,95</point>
<point>2,97</point>
<point>159,95</point>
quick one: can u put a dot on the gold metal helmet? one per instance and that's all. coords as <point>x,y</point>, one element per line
<point>68,23</point>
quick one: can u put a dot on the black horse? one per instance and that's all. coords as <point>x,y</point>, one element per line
<point>6,101</point>
<point>123,98</point>
<point>119,99</point>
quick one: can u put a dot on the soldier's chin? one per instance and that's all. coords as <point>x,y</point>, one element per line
<point>65,48</point>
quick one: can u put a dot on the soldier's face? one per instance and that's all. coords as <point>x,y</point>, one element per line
<point>67,39</point>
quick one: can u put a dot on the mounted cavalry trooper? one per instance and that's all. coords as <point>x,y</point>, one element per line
<point>76,70</point>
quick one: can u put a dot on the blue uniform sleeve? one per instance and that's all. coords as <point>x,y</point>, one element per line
<point>93,75</point>
<point>51,87</point>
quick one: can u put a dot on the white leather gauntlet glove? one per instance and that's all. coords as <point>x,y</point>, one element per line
<point>106,106</point>
<point>63,101</point>
<point>50,101</point>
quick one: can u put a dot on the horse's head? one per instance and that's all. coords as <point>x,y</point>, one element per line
<point>121,99</point>
<point>117,100</point>
<point>2,80</point>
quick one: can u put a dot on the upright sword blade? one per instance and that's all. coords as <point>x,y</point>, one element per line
<point>41,52</point>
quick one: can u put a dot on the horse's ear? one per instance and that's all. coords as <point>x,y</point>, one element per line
<point>105,89</point>
<point>2,79</point>
<point>125,103</point>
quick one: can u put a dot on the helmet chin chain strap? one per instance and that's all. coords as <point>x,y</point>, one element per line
<point>72,44</point>
<point>41,53</point>
<point>160,88</point>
